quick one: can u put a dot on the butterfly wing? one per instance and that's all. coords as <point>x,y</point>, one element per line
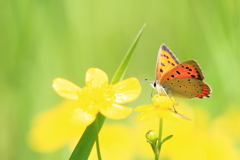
<point>186,81</point>
<point>187,88</point>
<point>187,69</point>
<point>166,61</point>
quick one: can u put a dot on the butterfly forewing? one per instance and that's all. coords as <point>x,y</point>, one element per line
<point>187,69</point>
<point>187,88</point>
<point>166,61</point>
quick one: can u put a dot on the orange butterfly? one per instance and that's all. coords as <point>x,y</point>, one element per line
<point>183,80</point>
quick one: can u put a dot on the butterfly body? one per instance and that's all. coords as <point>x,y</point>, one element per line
<point>183,80</point>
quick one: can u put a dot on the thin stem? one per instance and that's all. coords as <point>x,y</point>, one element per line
<point>160,135</point>
<point>157,156</point>
<point>157,147</point>
<point>98,149</point>
<point>98,146</point>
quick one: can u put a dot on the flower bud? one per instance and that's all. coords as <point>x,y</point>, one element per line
<point>151,136</point>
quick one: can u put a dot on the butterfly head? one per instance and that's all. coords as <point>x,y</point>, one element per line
<point>154,84</point>
<point>159,88</point>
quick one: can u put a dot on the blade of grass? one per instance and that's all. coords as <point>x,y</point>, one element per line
<point>86,142</point>
<point>124,64</point>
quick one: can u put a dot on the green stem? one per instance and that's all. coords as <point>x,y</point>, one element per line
<point>160,133</point>
<point>98,149</point>
<point>87,140</point>
<point>97,144</point>
<point>157,156</point>
<point>159,145</point>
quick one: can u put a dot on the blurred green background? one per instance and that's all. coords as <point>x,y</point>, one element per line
<point>41,40</point>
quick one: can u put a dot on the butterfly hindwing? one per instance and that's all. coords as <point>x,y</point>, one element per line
<point>187,88</point>
<point>166,61</point>
<point>187,69</point>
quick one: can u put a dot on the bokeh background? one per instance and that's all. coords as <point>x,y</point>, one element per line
<point>41,40</point>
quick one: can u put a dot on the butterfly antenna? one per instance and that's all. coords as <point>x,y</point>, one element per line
<point>146,80</point>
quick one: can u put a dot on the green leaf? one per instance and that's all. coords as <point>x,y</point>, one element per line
<point>166,138</point>
<point>86,142</point>
<point>124,64</point>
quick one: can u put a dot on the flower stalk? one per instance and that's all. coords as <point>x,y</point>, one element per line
<point>159,138</point>
<point>98,148</point>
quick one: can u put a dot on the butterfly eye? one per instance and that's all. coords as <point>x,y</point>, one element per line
<point>155,84</point>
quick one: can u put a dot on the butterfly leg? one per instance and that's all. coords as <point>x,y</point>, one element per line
<point>166,94</point>
<point>174,108</point>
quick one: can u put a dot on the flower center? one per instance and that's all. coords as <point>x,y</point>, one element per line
<point>97,96</point>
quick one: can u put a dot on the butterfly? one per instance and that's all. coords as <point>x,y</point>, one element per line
<point>183,80</point>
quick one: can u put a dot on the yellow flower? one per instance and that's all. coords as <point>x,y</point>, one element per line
<point>98,96</point>
<point>54,128</point>
<point>162,107</point>
<point>64,124</point>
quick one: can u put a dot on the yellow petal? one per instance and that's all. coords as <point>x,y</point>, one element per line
<point>127,90</point>
<point>146,115</point>
<point>66,88</point>
<point>180,116</point>
<point>96,77</point>
<point>171,115</point>
<point>163,101</point>
<point>52,129</point>
<point>115,111</point>
<point>144,107</point>
<point>80,116</point>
